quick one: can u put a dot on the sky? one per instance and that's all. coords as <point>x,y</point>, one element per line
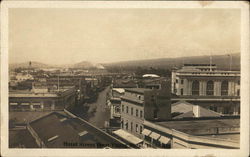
<point>66,36</point>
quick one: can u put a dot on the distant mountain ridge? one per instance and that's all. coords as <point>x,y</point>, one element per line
<point>27,65</point>
<point>222,62</point>
<point>34,64</point>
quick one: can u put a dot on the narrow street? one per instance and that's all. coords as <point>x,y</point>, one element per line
<point>98,111</point>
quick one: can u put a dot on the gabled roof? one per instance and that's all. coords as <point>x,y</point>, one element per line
<point>54,133</point>
<point>187,110</point>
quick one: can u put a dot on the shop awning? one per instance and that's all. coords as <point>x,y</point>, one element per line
<point>146,132</point>
<point>127,136</point>
<point>154,135</point>
<point>164,139</point>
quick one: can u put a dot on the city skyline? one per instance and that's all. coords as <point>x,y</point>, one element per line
<point>114,35</point>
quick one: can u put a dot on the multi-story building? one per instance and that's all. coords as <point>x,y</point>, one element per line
<point>139,104</point>
<point>204,85</point>
<point>117,90</point>
<point>41,100</point>
<point>115,106</point>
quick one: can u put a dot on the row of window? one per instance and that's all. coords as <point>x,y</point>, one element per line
<point>225,110</point>
<point>182,81</point>
<point>210,88</point>
<point>137,127</point>
<point>132,111</point>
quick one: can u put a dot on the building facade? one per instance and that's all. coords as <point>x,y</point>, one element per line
<point>41,101</point>
<point>215,132</point>
<point>204,85</point>
<point>139,104</point>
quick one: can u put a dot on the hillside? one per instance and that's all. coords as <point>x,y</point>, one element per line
<point>82,65</point>
<point>222,62</point>
<point>27,64</point>
<point>87,65</point>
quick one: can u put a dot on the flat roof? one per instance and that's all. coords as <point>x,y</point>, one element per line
<point>199,64</point>
<point>232,137</point>
<point>137,90</point>
<point>28,93</point>
<point>197,124</point>
<point>205,98</point>
<point>124,83</point>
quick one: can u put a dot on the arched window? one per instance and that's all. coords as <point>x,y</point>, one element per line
<point>195,87</point>
<point>210,88</point>
<point>224,88</point>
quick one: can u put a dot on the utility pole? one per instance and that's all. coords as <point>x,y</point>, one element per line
<point>210,62</point>
<point>58,85</point>
<point>231,62</point>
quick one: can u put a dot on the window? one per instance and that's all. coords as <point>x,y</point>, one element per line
<point>155,113</point>
<point>141,114</point>
<point>131,126</point>
<point>132,111</point>
<point>224,88</point>
<point>121,123</point>
<point>136,112</point>
<point>226,110</point>
<point>175,88</point>
<point>182,81</point>
<point>213,108</point>
<point>176,80</point>
<point>136,127</point>
<point>238,92</point>
<point>122,108</point>
<point>126,125</point>
<point>195,87</point>
<point>210,88</point>
<point>140,129</point>
<point>152,98</point>
<point>238,82</point>
<point>127,109</point>
<point>181,91</point>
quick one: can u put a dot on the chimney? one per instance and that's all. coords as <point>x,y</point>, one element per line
<point>196,110</point>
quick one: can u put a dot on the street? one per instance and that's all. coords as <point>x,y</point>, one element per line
<point>98,111</point>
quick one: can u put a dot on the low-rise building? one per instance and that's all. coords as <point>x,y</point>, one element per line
<point>41,100</point>
<point>184,109</point>
<point>22,77</point>
<point>65,130</point>
<point>193,133</point>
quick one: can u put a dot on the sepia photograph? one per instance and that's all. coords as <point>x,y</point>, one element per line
<point>124,76</point>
